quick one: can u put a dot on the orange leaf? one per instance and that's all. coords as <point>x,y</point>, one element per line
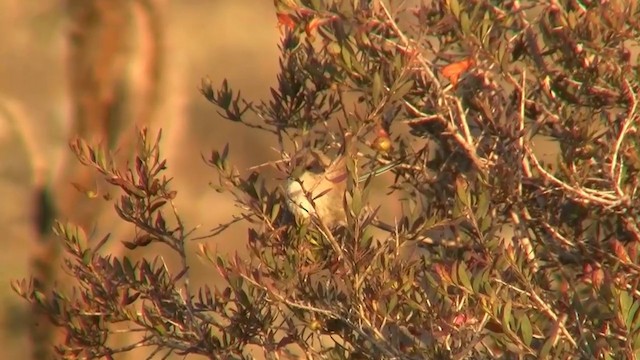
<point>453,71</point>
<point>620,251</point>
<point>285,20</point>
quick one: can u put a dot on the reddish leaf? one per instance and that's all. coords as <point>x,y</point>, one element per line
<point>286,21</point>
<point>620,251</point>
<point>453,71</point>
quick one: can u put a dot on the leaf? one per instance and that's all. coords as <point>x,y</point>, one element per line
<point>463,277</point>
<point>478,281</point>
<point>525,329</point>
<point>506,316</point>
<point>80,238</point>
<point>87,256</point>
<point>376,90</point>
<point>454,7</point>
<point>346,58</point>
<point>393,302</point>
<point>486,26</point>
<point>401,91</point>
<point>546,348</point>
<point>156,205</point>
<point>275,211</point>
<point>462,192</point>
<point>356,201</point>
<point>453,71</point>
<point>465,24</point>
<point>625,301</point>
<point>89,193</point>
<point>482,206</point>
<point>633,320</point>
<point>285,20</point>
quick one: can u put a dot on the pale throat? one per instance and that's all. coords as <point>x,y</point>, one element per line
<point>299,189</point>
<point>297,200</point>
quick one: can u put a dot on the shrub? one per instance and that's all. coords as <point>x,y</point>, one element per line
<point>497,252</point>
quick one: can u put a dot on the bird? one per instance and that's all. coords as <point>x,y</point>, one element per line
<point>319,190</point>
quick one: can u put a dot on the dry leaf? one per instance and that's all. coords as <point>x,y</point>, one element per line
<point>453,71</point>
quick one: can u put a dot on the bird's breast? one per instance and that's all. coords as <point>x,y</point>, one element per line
<point>326,199</point>
<point>297,200</point>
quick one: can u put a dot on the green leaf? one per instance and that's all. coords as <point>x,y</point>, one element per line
<point>465,24</point>
<point>275,211</point>
<point>454,273</point>
<point>376,90</point>
<point>356,201</point>
<point>525,329</point>
<point>625,301</point>
<point>486,27</point>
<point>631,316</point>
<point>462,193</point>
<point>81,238</point>
<point>401,91</point>
<point>454,7</point>
<point>463,276</point>
<point>636,345</point>
<point>393,302</point>
<point>160,329</point>
<point>482,206</point>
<point>546,348</point>
<point>506,316</point>
<point>346,58</point>
<point>479,281</point>
<point>40,297</point>
<point>87,255</point>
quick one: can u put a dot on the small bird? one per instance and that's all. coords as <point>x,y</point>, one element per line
<point>320,189</point>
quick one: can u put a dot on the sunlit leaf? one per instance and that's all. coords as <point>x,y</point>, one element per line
<point>376,90</point>
<point>454,70</point>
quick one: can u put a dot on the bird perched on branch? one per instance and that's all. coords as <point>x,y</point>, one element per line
<point>320,188</point>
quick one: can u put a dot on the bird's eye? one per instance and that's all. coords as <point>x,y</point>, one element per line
<point>314,168</point>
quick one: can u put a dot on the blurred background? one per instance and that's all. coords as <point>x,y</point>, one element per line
<point>73,68</point>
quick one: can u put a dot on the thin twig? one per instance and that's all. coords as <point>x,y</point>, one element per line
<point>616,176</point>
<point>578,194</point>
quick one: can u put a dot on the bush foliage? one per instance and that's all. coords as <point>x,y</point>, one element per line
<point>497,252</point>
